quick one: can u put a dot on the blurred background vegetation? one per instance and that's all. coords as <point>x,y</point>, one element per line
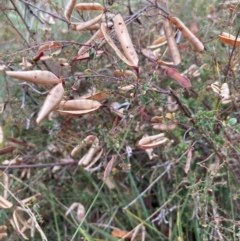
<point>185,189</point>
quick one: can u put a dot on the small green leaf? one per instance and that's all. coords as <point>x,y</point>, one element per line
<point>232,121</point>
<point>238,127</point>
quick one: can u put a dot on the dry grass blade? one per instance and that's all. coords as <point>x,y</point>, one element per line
<point>109,167</point>
<point>125,40</point>
<point>196,43</point>
<point>171,42</point>
<point>189,159</point>
<point>43,77</point>
<point>52,100</point>
<point>69,9</point>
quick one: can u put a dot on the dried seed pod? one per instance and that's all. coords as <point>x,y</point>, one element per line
<point>69,9</point>
<point>125,40</point>
<point>52,100</point>
<point>171,42</point>
<point>43,77</point>
<point>97,36</point>
<point>89,7</point>
<point>89,23</point>
<point>149,142</point>
<point>79,104</point>
<point>196,43</point>
<point>115,48</point>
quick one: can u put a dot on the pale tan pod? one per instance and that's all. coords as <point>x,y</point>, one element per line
<point>75,112</point>
<point>152,141</point>
<point>171,42</point>
<point>43,77</point>
<point>88,140</point>
<point>125,40</point>
<point>129,73</point>
<point>90,160</point>
<point>164,127</point>
<point>196,43</point>
<point>89,7</point>
<point>4,203</point>
<point>160,40</point>
<point>115,48</point>
<point>52,100</point>
<point>80,104</point>
<point>89,23</point>
<point>69,9</point>
<point>97,36</point>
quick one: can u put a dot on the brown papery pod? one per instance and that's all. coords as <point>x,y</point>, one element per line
<point>49,46</point>
<point>89,7</point>
<point>42,77</point>
<point>80,104</point>
<point>100,96</point>
<point>69,9</point>
<point>196,43</point>
<point>157,119</point>
<point>121,233</point>
<point>112,44</point>
<point>229,39</point>
<point>89,23</point>
<point>174,74</point>
<point>52,100</point>
<point>171,42</point>
<point>152,141</point>
<point>97,36</point>
<point>125,40</point>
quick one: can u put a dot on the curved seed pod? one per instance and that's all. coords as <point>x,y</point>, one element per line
<point>182,80</point>
<point>87,141</point>
<point>69,9</point>
<point>43,77</point>
<point>152,141</point>
<point>4,203</point>
<point>95,26</point>
<point>125,40</point>
<point>53,99</point>
<point>89,7</point>
<point>89,23</point>
<point>97,36</point>
<point>229,39</point>
<point>129,73</point>
<point>90,160</point>
<point>196,43</point>
<point>115,48</point>
<point>49,46</point>
<point>171,42</point>
<point>160,40</point>
<point>80,104</point>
